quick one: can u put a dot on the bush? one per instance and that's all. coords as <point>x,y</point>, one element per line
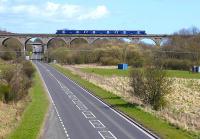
<point>109,61</point>
<point>4,92</point>
<point>18,81</point>
<point>28,69</point>
<point>134,58</point>
<point>174,64</point>
<point>8,73</point>
<point>8,55</point>
<point>151,86</point>
<point>19,85</point>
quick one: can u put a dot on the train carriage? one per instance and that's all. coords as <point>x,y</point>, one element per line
<point>108,32</point>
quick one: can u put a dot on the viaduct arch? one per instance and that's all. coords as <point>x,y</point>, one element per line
<point>90,39</point>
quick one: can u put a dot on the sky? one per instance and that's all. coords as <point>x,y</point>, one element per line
<point>47,16</point>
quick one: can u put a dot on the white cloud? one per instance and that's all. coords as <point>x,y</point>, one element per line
<point>53,10</point>
<point>99,12</point>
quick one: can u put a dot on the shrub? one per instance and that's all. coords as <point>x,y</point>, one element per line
<point>19,85</point>
<point>28,68</point>
<point>151,86</point>
<point>134,58</point>
<point>176,64</point>
<point>8,55</point>
<point>4,92</point>
<point>8,73</point>
<point>109,61</point>
<point>18,80</point>
<point>138,83</point>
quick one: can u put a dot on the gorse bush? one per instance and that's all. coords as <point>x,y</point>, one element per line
<point>150,85</point>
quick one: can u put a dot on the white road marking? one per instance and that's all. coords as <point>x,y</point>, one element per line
<point>106,135</point>
<point>81,107</point>
<point>135,124</point>
<point>88,114</point>
<point>68,92</point>
<point>72,97</point>
<point>76,101</point>
<point>96,124</point>
<point>66,89</point>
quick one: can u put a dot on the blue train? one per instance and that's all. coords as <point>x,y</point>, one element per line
<point>106,32</point>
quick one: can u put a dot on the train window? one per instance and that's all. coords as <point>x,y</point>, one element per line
<point>63,31</point>
<point>138,32</point>
<point>93,32</point>
<point>77,32</point>
<point>124,32</point>
<point>107,32</point>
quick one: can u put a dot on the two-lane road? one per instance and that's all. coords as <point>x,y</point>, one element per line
<point>81,115</point>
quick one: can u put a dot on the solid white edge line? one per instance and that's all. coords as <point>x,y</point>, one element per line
<point>119,114</point>
<point>47,90</point>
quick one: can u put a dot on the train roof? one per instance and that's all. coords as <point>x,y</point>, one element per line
<point>100,30</point>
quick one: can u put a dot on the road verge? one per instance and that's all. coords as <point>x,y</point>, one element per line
<point>33,116</point>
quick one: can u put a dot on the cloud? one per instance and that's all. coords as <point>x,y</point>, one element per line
<point>53,11</point>
<point>99,12</point>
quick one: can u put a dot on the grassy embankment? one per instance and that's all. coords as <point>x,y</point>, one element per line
<point>170,73</point>
<point>33,116</point>
<point>158,126</point>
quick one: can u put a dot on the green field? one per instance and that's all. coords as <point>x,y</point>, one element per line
<point>33,116</point>
<point>111,72</point>
<point>158,126</point>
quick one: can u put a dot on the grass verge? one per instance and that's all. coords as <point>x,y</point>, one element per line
<point>158,126</point>
<point>33,116</point>
<point>110,72</point>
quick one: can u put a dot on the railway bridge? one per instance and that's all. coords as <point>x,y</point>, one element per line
<point>90,38</point>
